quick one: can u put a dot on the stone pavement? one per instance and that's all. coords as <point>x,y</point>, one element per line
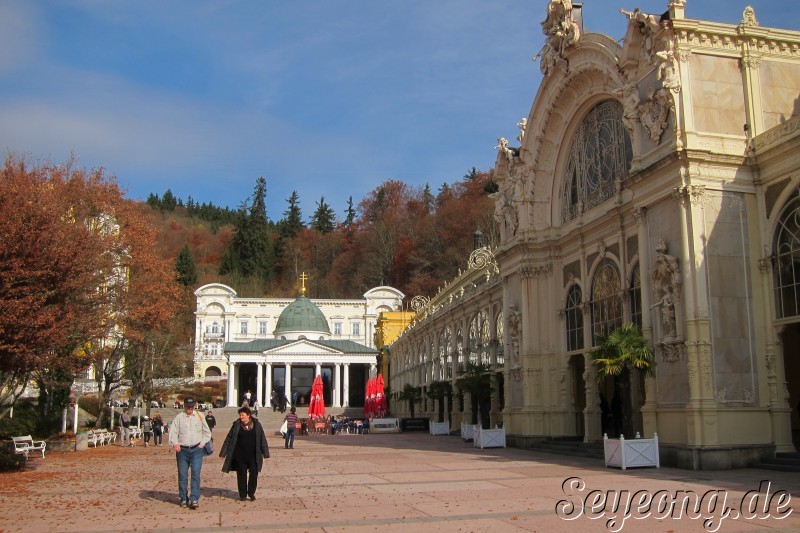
<point>389,482</point>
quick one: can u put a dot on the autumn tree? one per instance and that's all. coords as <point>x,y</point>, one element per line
<point>144,299</point>
<point>52,265</point>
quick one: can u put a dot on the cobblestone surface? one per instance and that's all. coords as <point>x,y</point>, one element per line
<point>390,482</point>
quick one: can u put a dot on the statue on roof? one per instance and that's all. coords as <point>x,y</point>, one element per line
<point>561,31</point>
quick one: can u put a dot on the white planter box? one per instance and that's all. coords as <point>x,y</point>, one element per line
<point>631,453</point>
<point>440,428</point>
<point>384,425</point>
<point>489,438</point>
<point>467,431</point>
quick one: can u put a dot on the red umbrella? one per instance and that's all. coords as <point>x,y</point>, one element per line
<point>369,398</point>
<point>316,407</point>
<point>380,396</point>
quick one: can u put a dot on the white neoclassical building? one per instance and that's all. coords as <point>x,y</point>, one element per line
<point>657,182</point>
<point>280,344</point>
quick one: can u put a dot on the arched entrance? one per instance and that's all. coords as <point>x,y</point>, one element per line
<point>791,366</point>
<point>213,371</point>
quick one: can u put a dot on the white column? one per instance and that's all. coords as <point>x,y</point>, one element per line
<point>260,384</point>
<point>337,385</point>
<point>287,387</point>
<point>268,391</point>
<point>231,392</point>
<point>317,370</point>
<point>346,391</point>
<point>372,370</point>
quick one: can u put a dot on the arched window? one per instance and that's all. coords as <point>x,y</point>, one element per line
<point>635,296</point>
<point>786,257</point>
<point>599,157</point>
<point>606,304</point>
<point>574,319</point>
<point>499,336</point>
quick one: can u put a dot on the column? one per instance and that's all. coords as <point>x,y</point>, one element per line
<point>372,370</point>
<point>317,370</point>
<point>268,377</point>
<point>287,387</point>
<point>260,384</point>
<point>346,390</point>
<point>337,387</point>
<point>231,401</point>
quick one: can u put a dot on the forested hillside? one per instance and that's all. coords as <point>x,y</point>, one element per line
<point>398,235</point>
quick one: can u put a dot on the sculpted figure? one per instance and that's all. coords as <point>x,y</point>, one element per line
<point>629,94</point>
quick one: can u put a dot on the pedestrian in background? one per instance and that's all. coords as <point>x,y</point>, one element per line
<point>291,427</point>
<point>147,430</point>
<point>211,420</point>
<point>125,428</point>
<point>158,429</point>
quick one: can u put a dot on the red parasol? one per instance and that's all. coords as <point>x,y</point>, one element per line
<point>369,398</point>
<point>380,397</point>
<point>316,407</point>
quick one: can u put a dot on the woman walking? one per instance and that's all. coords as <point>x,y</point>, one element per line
<point>244,450</point>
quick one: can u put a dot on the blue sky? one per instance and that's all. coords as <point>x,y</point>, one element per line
<point>326,97</point>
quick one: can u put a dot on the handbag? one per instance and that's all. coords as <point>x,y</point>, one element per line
<point>208,448</point>
<point>284,428</point>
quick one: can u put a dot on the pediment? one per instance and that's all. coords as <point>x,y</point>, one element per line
<point>301,347</point>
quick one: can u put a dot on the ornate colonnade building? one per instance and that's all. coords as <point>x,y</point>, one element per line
<point>656,182</point>
<point>280,344</point>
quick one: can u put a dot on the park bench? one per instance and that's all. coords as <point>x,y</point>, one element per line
<point>95,438</point>
<point>26,444</point>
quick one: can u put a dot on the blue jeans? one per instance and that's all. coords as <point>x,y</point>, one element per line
<point>189,458</point>
<point>289,437</point>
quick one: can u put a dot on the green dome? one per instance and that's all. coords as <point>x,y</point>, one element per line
<point>302,315</point>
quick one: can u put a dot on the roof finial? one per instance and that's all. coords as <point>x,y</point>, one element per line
<point>303,279</point>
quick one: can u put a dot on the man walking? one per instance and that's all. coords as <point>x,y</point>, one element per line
<point>125,428</point>
<point>291,427</point>
<point>188,434</point>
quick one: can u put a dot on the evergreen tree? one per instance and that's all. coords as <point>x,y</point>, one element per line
<point>249,251</point>
<point>427,198</point>
<point>154,201</point>
<point>168,201</point>
<point>185,269</point>
<point>349,214</point>
<point>323,219</point>
<point>292,218</point>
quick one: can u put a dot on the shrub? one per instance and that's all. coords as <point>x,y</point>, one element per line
<point>24,422</point>
<point>10,461</point>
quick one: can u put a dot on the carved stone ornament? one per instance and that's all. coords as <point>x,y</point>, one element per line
<point>561,31</point>
<point>516,374</point>
<point>672,352</point>
<point>654,112</point>
<point>749,17</point>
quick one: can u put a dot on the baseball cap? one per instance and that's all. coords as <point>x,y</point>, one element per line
<point>188,402</point>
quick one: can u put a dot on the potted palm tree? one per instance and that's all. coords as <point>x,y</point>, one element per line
<point>620,354</point>
<point>411,394</point>
<point>439,390</point>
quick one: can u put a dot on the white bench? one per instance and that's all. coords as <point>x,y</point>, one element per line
<point>95,438</point>
<point>24,445</point>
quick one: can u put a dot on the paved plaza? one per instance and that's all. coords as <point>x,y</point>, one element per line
<point>389,482</point>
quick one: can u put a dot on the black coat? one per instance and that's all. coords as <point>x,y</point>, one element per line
<point>228,450</point>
